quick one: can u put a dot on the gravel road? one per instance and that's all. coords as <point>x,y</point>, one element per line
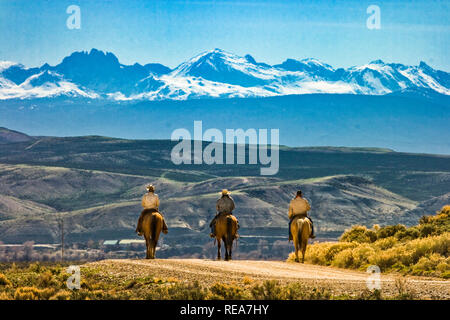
<point>208,272</point>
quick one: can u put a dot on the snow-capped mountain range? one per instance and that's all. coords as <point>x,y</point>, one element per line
<point>216,73</point>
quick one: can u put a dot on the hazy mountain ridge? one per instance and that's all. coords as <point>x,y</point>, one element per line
<point>212,74</point>
<point>303,120</point>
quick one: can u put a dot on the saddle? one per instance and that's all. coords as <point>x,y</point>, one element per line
<point>149,211</point>
<point>224,214</point>
<point>300,215</point>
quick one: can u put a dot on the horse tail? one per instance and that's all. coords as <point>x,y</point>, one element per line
<point>153,226</point>
<point>300,226</point>
<point>229,231</point>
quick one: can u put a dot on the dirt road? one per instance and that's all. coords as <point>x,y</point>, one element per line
<point>208,272</point>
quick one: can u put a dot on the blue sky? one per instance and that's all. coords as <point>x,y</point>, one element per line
<point>169,32</point>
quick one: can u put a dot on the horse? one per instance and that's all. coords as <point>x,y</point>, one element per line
<point>226,230</point>
<point>301,230</point>
<point>152,223</point>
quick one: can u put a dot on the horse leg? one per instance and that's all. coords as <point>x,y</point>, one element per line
<point>150,249</point>
<point>218,249</point>
<point>227,255</point>
<point>155,244</point>
<point>304,244</point>
<point>225,242</point>
<point>296,249</point>
<point>147,244</point>
<point>230,249</point>
<point>303,253</point>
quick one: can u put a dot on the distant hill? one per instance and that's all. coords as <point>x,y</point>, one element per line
<point>430,206</point>
<point>11,136</point>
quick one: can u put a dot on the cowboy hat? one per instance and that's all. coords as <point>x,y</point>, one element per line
<point>150,187</point>
<point>225,192</point>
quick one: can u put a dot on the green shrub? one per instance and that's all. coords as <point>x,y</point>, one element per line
<point>26,293</point>
<point>227,291</point>
<point>45,279</point>
<point>191,291</point>
<point>4,280</point>
<point>336,248</point>
<point>386,243</point>
<point>390,231</point>
<point>344,259</point>
<point>61,295</point>
<point>358,234</point>
<point>408,234</point>
<point>269,290</point>
<point>370,295</point>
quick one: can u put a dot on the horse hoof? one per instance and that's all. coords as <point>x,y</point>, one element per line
<point>296,260</point>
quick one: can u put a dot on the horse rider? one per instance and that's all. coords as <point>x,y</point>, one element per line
<point>224,206</point>
<point>150,200</point>
<point>299,207</point>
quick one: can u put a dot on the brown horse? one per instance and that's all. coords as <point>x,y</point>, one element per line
<point>301,230</point>
<point>152,224</point>
<point>226,230</point>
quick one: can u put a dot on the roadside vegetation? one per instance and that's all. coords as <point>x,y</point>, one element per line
<point>47,281</point>
<point>421,250</point>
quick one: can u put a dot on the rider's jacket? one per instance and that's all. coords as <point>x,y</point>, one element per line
<point>150,201</point>
<point>225,204</point>
<point>298,206</point>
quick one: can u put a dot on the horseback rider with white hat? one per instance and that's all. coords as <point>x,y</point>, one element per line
<point>299,207</point>
<point>150,200</point>
<point>225,205</point>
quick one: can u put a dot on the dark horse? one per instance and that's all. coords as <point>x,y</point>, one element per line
<point>152,224</point>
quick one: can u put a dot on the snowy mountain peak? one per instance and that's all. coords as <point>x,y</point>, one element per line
<point>210,59</point>
<point>424,66</point>
<point>8,64</point>
<point>313,61</point>
<point>215,73</point>
<point>220,66</point>
<point>377,62</point>
<point>83,59</point>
